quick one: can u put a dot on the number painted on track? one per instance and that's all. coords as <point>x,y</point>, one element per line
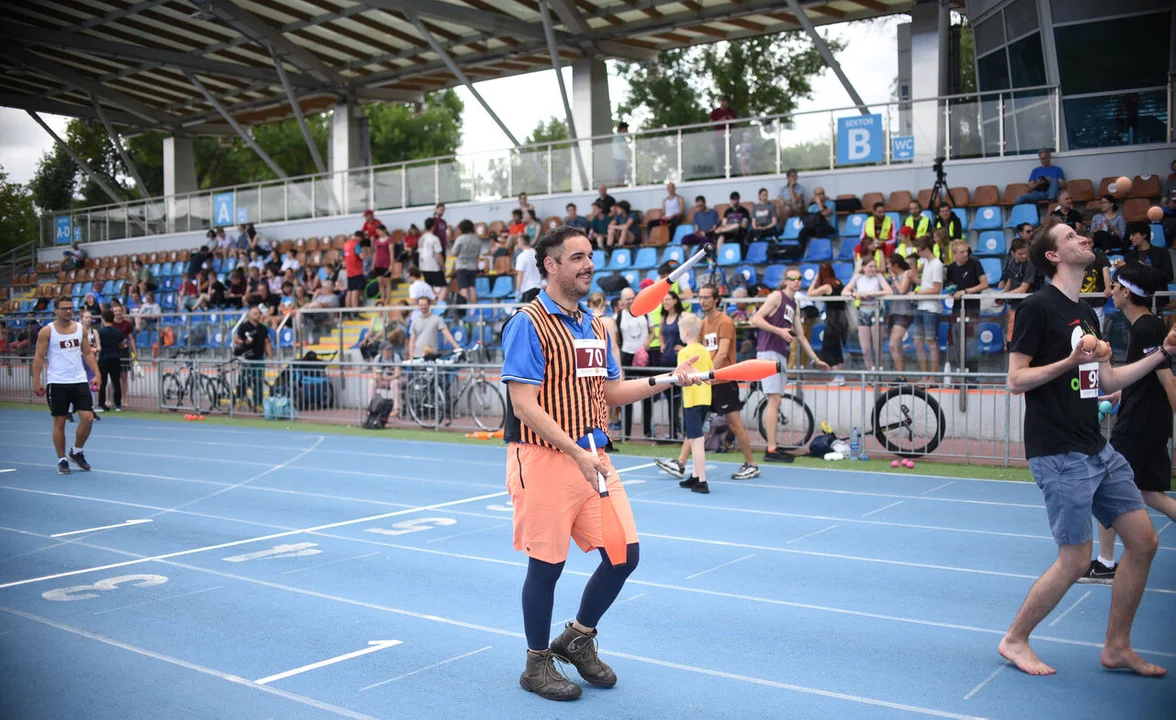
<point>88,592</point>
<point>405,527</point>
<point>507,506</point>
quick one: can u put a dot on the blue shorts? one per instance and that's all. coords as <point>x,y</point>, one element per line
<point>694,418</point>
<point>926,325</point>
<point>1076,485</point>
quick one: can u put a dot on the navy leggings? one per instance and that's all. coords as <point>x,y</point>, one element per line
<point>600,592</point>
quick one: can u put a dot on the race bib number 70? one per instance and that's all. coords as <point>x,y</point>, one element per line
<point>590,360</point>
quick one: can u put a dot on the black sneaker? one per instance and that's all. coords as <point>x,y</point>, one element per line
<point>63,467</point>
<point>543,678</point>
<point>1099,574</point>
<point>579,649</point>
<point>701,488</point>
<point>779,456</point>
<point>688,482</point>
<point>746,472</point>
<point>673,467</point>
<point>79,459</point>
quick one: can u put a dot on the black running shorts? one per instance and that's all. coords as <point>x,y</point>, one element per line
<point>61,396</point>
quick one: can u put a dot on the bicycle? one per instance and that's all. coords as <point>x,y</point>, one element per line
<point>431,399</point>
<point>188,382</point>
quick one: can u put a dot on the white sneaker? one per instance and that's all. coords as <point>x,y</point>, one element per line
<point>838,380</point>
<point>673,467</point>
<point>99,409</point>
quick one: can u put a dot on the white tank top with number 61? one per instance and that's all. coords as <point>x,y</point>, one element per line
<point>65,357</point>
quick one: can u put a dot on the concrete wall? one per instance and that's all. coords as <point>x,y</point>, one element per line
<point>1092,164</point>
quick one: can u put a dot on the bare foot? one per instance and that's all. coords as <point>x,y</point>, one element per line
<point>1020,654</point>
<point>1128,660</point>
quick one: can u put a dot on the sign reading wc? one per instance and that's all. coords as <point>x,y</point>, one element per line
<point>859,140</point>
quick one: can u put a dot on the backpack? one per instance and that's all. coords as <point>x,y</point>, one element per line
<point>719,438</point>
<point>379,409</point>
<point>821,445</point>
<point>279,408</point>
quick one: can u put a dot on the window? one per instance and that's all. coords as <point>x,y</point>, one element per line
<point>1020,18</point>
<point>1123,119</point>
<point>988,35</point>
<point>1065,11</point>
<point>1119,54</point>
<point>1026,62</point>
<point>993,71</point>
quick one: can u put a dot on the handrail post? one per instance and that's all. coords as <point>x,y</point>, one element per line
<point>404,185</point>
<point>1057,118</point>
<point>832,140</point>
<point>1000,142</point>
<point>779,160</point>
<point>549,190</point>
<point>313,199</point>
<point>947,130</point>
<point>727,149</point>
<point>509,174</point>
<point>436,182</point>
<point>886,134</point>
<point>681,175</point>
<point>371,198</point>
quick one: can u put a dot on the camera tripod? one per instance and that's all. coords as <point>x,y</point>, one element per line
<point>940,188</point>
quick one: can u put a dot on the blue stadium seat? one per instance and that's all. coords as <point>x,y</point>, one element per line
<point>1157,237</point>
<point>1024,213</point>
<point>595,286</point>
<point>987,218</point>
<point>142,339</point>
<point>792,228</point>
<point>747,272</point>
<point>599,259</point>
<point>323,273</point>
<point>230,265</point>
<point>168,302</point>
<point>990,338</point>
<point>962,214</point>
<point>680,232</point>
<point>848,247</point>
<point>773,276</point>
<point>675,253</point>
<point>285,338</point>
<point>992,269</point>
<point>633,277</point>
<point>646,258</point>
<point>482,286</point>
<point>757,253</point>
<point>118,286</point>
<point>817,337</point>
<point>808,273</point>
<point>217,264</point>
<point>459,336</point>
<point>843,271</point>
<point>991,244</point>
<point>930,217</point>
<point>895,220</point>
<point>621,259</point>
<point>852,227</point>
<point>157,270</point>
<point>651,275</point>
<point>503,287</point>
<point>819,250</point>
<point>730,254</point>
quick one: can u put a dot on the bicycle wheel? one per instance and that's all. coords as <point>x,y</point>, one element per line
<point>486,405</point>
<point>209,397</point>
<point>794,427</point>
<point>426,402</point>
<point>173,392</point>
<point>908,421</point>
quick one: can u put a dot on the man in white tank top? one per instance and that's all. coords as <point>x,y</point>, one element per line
<point>65,345</point>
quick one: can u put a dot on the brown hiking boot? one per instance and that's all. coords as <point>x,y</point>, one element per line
<point>580,650</point>
<point>544,679</point>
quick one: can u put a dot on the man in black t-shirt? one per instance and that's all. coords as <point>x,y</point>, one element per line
<point>1065,211</point>
<point>1078,473</point>
<point>1141,249</point>
<point>252,345</point>
<point>1144,422</point>
<point>735,222</point>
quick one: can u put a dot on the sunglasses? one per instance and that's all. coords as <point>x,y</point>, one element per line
<point>792,278</point>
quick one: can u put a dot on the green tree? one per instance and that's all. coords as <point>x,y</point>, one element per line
<point>402,131</point>
<point>528,170</point>
<point>18,217</point>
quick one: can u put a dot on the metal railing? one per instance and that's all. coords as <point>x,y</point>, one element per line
<point>983,124</point>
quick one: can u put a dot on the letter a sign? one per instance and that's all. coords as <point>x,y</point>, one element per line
<point>223,211</point>
<point>859,140</point>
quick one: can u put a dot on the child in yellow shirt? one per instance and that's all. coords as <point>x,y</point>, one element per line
<point>696,400</point>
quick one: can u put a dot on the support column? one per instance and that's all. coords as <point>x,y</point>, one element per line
<point>927,77</point>
<point>179,178</point>
<point>348,147</point>
<point>592,113</point>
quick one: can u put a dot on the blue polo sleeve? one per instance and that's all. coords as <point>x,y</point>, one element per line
<point>523,360</point>
<point>614,370</point>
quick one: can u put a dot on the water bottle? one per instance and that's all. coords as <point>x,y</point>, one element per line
<point>855,443</point>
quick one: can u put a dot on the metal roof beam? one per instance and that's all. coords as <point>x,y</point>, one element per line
<point>245,136</point>
<point>297,110</point>
<point>55,107</point>
<point>249,24</point>
<point>466,17</point>
<point>122,153</point>
<point>567,13</point>
<point>831,61</point>
<point>545,16</point>
<point>98,179</point>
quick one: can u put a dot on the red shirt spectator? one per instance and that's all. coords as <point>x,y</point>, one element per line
<point>412,237</point>
<point>351,259</point>
<point>723,112</point>
<point>370,224</point>
<point>382,250</point>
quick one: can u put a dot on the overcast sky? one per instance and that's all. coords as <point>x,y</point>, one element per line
<point>870,60</point>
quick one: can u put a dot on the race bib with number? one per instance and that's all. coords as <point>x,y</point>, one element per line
<point>711,341</point>
<point>590,361</point>
<point>1088,380</point>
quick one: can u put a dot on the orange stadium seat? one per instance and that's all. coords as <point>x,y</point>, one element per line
<point>986,195</point>
<point>300,244</point>
<point>1104,186</point>
<point>1011,192</point>
<point>959,197</point>
<point>1146,186</point>
<point>312,245</point>
<point>498,227</point>
<point>331,257</point>
<point>1081,190</point>
<point>868,200</point>
<point>659,236</point>
<point>898,201</point>
<point>1135,209</point>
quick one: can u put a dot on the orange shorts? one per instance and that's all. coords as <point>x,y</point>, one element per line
<point>553,502</point>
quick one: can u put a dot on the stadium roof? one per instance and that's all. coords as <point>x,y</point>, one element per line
<point>167,64</point>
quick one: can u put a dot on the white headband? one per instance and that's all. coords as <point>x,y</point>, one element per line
<point>1135,289</point>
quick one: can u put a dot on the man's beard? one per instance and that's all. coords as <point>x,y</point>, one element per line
<point>571,291</point>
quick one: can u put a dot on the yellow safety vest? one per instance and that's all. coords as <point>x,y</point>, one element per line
<point>922,228</point>
<point>886,228</point>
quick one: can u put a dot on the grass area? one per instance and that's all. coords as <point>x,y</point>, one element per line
<point>985,472</point>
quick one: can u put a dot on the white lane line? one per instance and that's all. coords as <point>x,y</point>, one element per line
<point>272,536</point>
<point>7,470</point>
<point>637,467</point>
<point>630,598</point>
<point>834,491</point>
<point>1166,526</point>
<point>127,523</point>
<point>332,562</point>
<point>937,487</point>
<point>166,597</point>
<point>818,532</point>
<point>310,702</point>
<point>1058,619</point>
<point>429,667</point>
<point>716,567</point>
<point>886,507</point>
<point>373,646</point>
<point>986,680</point>
<point>468,532</point>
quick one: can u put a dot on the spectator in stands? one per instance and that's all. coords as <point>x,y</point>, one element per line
<point>598,226</point>
<point>736,220</point>
<point>256,241</point>
<point>623,229</point>
<point>382,262</point>
<point>865,288</point>
<point>252,345</point>
<point>528,280</point>
<point>148,313</point>
<point>1168,222</point>
<point>620,153</point>
<point>916,220</point>
<point>467,248</point>
<point>927,312</point>
<point>575,220</point>
<point>241,244</point>
<point>606,201</point>
<point>223,244</point>
<point>793,194</point>
<point>290,261</point>
<point>906,243</point>
<point>314,324</point>
<point>705,221</point>
<point>1108,227</point>
<point>879,227</point>
<point>412,239</point>
<point>91,303</point>
<point>634,339</point>
<point>534,228</point>
<point>764,223</point>
<point>967,277</point>
<point>236,290</point>
<point>1045,181</point>
<point>1025,232</point>
<point>427,330</point>
<point>945,218</point>
<point>70,260</point>
<point>440,227</point>
<point>188,292</point>
<point>718,116</point>
<point>196,261</point>
<point>826,284</point>
<point>353,264</point>
<point>867,249</point>
<point>821,220</point>
<point>943,246</point>
<point>524,204</point>
<point>256,261</point>
<point>900,314</point>
<point>673,210</point>
<point>1018,276</point>
<point>144,281</point>
<point>432,260</point>
<point>370,224</point>
<point>517,227</point>
<point>1139,233</point>
<point>1066,213</point>
<point>274,279</point>
<point>127,328</point>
